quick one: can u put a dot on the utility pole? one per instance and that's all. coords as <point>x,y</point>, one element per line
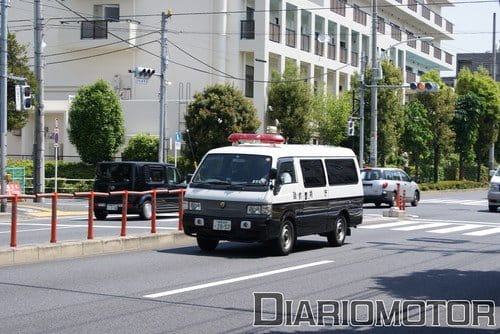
<point>374,89</point>
<point>3,101</point>
<point>362,111</point>
<point>39,163</point>
<point>163,86</point>
<point>494,72</point>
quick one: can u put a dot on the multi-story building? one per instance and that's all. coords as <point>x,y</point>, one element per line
<point>237,41</point>
<point>475,60</point>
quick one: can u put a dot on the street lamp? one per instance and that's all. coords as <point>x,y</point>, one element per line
<point>385,53</point>
<point>376,76</point>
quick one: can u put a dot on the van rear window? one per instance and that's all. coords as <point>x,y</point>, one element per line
<point>341,171</point>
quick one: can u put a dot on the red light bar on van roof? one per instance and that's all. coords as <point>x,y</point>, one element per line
<point>267,138</point>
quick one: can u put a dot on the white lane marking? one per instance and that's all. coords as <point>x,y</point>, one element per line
<point>406,222</point>
<point>456,221</point>
<point>234,280</point>
<point>420,227</point>
<point>484,232</point>
<point>457,228</point>
<point>95,226</point>
<point>454,201</point>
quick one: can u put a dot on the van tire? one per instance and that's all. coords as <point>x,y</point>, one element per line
<point>378,204</point>
<point>392,200</point>
<point>285,242</point>
<point>100,214</point>
<point>146,211</point>
<point>336,237</point>
<point>492,208</point>
<point>207,245</point>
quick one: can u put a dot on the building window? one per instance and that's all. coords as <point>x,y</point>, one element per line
<point>249,70</point>
<point>107,12</point>
<point>97,29</point>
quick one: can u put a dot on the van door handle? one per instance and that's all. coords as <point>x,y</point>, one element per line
<point>326,192</point>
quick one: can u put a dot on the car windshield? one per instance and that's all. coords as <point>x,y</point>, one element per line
<point>114,172</point>
<point>226,171</point>
<point>371,175</point>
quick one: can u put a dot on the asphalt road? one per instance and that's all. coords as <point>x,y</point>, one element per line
<point>448,250</point>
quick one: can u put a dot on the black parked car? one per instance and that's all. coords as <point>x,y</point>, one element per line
<point>136,176</point>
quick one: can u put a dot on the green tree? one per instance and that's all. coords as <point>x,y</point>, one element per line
<point>465,124</point>
<point>17,61</point>
<point>488,92</point>
<point>214,114</point>
<point>291,102</point>
<point>417,134</point>
<point>330,117</point>
<point>96,122</point>
<point>390,113</point>
<point>143,147</point>
<point>440,106</point>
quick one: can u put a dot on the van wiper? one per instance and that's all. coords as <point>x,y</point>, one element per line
<point>218,182</point>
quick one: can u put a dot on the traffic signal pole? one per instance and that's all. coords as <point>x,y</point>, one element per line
<point>3,102</point>
<point>494,72</point>
<point>362,111</point>
<point>39,149</point>
<point>374,89</point>
<point>163,88</point>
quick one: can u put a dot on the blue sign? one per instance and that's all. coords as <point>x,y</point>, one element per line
<point>56,138</point>
<point>178,137</point>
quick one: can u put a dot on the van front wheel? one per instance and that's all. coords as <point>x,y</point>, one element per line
<point>283,245</point>
<point>337,236</point>
<point>206,244</point>
<point>146,211</point>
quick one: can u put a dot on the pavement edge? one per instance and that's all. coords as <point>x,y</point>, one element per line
<point>98,246</point>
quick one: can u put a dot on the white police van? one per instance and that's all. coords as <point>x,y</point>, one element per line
<point>261,189</point>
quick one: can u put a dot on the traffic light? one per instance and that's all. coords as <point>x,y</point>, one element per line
<point>143,72</point>
<point>350,128</point>
<point>26,97</point>
<point>424,87</point>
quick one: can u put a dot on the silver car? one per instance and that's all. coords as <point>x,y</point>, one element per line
<point>494,192</point>
<point>380,186</point>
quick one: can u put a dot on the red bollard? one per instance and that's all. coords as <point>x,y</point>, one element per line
<point>181,210</point>
<point>53,222</point>
<point>90,231</point>
<point>404,200</point>
<point>123,232</point>
<point>13,227</point>
<point>153,212</point>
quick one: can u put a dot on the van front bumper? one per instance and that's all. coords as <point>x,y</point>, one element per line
<point>494,197</point>
<point>261,228</point>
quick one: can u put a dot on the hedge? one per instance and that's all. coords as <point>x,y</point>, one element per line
<point>445,185</point>
<point>68,170</point>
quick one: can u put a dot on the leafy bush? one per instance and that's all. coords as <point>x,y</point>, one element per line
<point>143,147</point>
<point>447,185</point>
<point>68,170</point>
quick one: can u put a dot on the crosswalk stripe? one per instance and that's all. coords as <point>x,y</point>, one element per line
<point>484,232</point>
<point>420,227</point>
<point>457,228</point>
<point>387,225</point>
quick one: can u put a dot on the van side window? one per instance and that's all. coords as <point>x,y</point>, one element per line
<point>172,176</point>
<point>156,174</point>
<point>404,176</point>
<point>313,173</point>
<point>341,171</point>
<point>286,173</point>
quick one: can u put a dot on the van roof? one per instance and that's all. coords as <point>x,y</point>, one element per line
<point>287,150</point>
<point>138,163</point>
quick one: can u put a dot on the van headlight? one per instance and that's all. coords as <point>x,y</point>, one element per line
<point>494,186</point>
<point>192,206</point>
<point>259,209</point>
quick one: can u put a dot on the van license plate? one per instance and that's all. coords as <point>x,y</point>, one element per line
<point>112,207</point>
<point>222,225</point>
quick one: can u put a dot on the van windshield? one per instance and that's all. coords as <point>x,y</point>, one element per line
<point>233,171</point>
<point>114,172</point>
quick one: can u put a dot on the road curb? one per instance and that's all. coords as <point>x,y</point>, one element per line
<point>99,246</point>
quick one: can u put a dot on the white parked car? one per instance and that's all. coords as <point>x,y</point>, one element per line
<point>380,186</point>
<point>494,192</point>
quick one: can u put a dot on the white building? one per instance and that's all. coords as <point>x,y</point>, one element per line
<point>236,41</point>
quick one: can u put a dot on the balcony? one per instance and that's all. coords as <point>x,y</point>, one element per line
<point>354,59</point>
<point>331,51</point>
<point>359,15</point>
<point>274,32</point>
<point>291,38</point>
<point>448,58</point>
<point>247,29</point>
<point>319,48</point>
<point>305,43</point>
<point>410,77</point>
<point>338,6</point>
<point>412,4</point>
<point>343,55</point>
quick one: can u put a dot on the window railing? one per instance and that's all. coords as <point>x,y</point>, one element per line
<point>448,58</point>
<point>291,38</point>
<point>274,32</point>
<point>319,48</point>
<point>438,19</point>
<point>247,30</point>
<point>338,6</point>
<point>412,4</point>
<point>449,27</point>
<point>412,44</point>
<point>396,33</point>
<point>331,51</point>
<point>424,47</point>
<point>381,25</point>
<point>305,42</point>
<point>426,12</point>
<point>437,53</point>
<point>343,55</point>
<point>359,15</point>
<point>354,59</point>
<point>410,77</point>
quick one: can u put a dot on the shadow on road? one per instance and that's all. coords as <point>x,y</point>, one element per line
<point>236,250</point>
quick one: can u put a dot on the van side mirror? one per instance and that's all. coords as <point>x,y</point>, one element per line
<point>273,174</point>
<point>188,177</point>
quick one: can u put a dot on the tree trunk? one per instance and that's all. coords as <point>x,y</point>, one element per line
<point>436,164</point>
<point>478,176</point>
<point>461,166</point>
